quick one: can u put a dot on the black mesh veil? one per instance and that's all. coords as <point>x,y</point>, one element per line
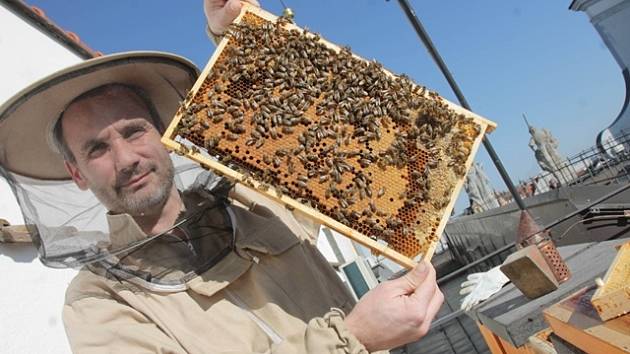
<point>71,228</point>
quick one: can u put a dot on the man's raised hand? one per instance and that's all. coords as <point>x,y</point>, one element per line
<point>398,311</point>
<point>221,13</point>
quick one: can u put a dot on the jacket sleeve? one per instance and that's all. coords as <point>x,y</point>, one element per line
<point>326,335</point>
<point>98,325</point>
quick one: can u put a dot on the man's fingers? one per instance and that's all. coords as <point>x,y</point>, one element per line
<point>253,2</point>
<point>231,11</point>
<point>410,281</point>
<point>426,289</point>
<point>434,307</point>
<point>221,14</point>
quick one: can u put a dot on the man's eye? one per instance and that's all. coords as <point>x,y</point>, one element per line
<point>134,133</point>
<point>97,150</point>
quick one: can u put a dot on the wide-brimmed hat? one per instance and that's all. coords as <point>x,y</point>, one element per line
<point>27,119</point>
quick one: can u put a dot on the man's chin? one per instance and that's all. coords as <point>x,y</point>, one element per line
<point>144,201</point>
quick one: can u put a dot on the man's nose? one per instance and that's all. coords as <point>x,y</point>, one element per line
<point>125,157</point>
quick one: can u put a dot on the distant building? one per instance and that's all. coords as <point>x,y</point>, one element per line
<point>611,19</point>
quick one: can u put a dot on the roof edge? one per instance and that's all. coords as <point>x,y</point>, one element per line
<point>36,17</point>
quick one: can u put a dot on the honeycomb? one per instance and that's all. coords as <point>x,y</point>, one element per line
<point>339,134</point>
<point>612,298</point>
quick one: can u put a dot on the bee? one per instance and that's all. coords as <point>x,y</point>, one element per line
<point>368,191</point>
<point>212,142</point>
<point>263,187</point>
<point>290,166</point>
<point>226,159</point>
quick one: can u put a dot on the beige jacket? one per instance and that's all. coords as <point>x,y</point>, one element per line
<point>274,293</point>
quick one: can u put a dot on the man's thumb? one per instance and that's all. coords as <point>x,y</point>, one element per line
<point>410,281</point>
<point>233,8</point>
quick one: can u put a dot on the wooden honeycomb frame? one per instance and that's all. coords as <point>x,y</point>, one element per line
<point>397,226</point>
<point>612,298</point>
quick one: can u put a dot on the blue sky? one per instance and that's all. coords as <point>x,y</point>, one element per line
<point>508,57</point>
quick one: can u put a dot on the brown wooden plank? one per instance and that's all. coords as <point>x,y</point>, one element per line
<point>15,234</point>
<point>493,342</point>
<point>575,320</point>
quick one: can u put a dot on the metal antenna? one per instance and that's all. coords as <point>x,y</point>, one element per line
<point>526,122</point>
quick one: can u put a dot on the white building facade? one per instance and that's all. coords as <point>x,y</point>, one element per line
<point>32,295</point>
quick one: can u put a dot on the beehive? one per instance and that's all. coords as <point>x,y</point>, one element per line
<point>367,153</point>
<point>612,298</point>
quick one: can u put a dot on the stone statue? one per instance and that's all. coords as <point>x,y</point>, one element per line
<point>480,192</point>
<point>545,148</point>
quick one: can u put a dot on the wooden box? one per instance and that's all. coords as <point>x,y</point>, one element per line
<point>529,272</point>
<point>575,320</point>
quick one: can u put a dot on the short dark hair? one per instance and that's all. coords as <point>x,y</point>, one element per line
<point>57,132</point>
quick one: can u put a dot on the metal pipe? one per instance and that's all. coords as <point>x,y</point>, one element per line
<point>546,227</point>
<point>592,204</point>
<point>428,43</point>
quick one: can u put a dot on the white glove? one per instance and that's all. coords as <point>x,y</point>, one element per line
<point>480,286</point>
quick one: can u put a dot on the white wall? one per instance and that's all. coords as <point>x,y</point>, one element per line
<point>32,295</point>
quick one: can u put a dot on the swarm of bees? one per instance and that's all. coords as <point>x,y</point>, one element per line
<point>374,151</point>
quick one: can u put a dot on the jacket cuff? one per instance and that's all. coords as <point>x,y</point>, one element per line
<point>334,320</point>
<point>215,38</point>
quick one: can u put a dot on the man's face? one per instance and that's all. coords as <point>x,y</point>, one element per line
<point>118,152</point>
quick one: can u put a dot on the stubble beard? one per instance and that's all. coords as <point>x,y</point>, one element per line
<point>141,202</point>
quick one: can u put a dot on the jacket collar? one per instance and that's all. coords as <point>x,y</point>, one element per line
<point>123,230</point>
<point>258,231</point>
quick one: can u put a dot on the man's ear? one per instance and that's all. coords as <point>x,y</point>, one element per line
<point>76,175</point>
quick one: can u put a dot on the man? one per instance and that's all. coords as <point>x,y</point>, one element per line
<point>186,271</point>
